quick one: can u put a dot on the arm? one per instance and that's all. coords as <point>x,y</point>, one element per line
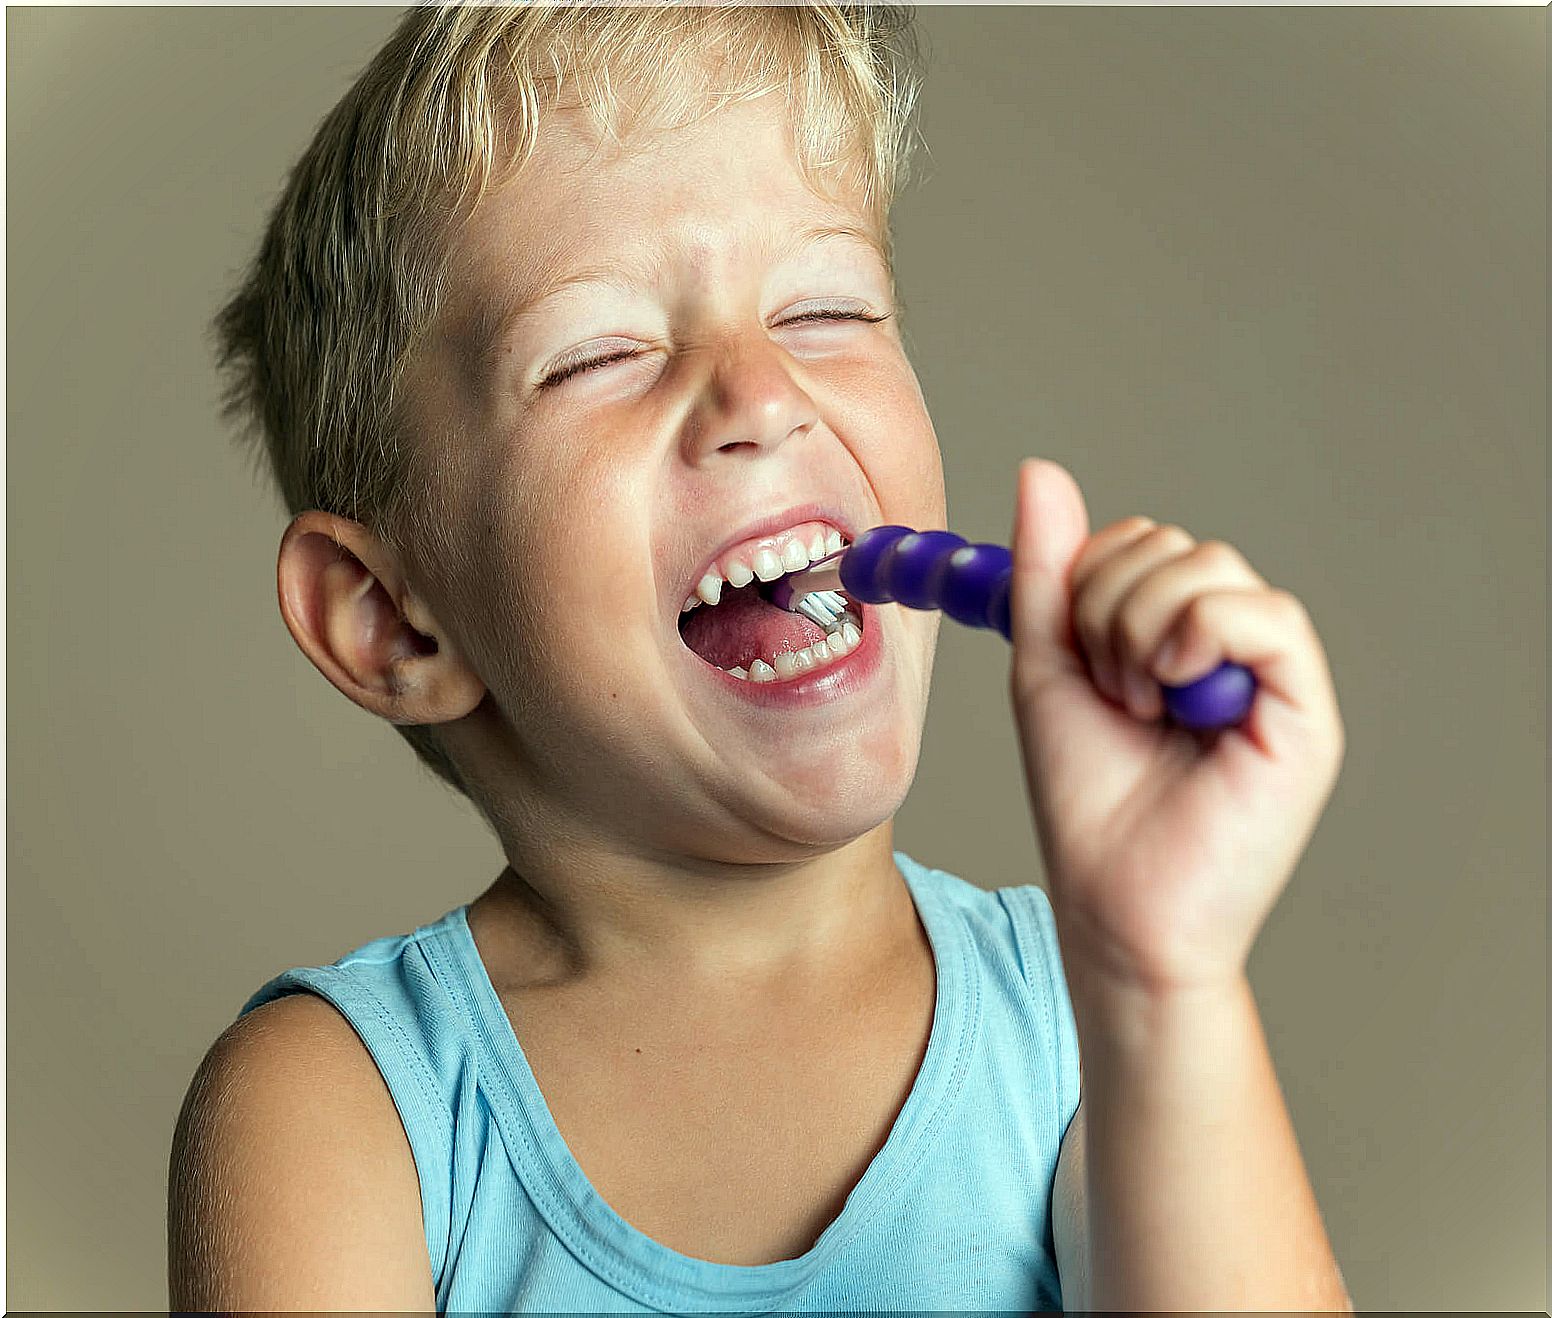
<point>1165,846</point>
<point>1069,1204</point>
<point>292,1184</point>
<point>1180,1184</point>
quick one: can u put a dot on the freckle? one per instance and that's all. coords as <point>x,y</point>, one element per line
<point>638,1050</point>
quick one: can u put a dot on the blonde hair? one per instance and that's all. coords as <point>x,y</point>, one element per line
<point>349,274</point>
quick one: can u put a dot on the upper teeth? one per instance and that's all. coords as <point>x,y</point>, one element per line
<point>766,557</point>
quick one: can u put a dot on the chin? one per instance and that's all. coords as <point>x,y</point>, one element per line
<point>842,828</point>
<point>842,795</point>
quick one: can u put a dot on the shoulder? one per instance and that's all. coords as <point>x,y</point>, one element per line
<point>298,1043</point>
<point>269,1057</point>
<point>296,1022</point>
<point>291,1178</point>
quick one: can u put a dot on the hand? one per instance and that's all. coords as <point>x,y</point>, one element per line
<point>1165,848</point>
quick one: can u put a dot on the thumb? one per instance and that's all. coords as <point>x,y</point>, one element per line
<point>1050,526</point>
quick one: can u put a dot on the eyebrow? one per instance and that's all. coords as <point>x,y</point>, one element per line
<point>496,324</point>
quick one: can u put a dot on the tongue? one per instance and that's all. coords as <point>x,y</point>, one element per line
<point>744,627</point>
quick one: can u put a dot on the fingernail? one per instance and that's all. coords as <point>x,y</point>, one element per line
<point>1166,655</point>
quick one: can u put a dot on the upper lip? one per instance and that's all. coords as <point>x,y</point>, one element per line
<point>769,525</point>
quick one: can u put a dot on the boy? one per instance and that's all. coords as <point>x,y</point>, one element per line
<point>708,1043</point>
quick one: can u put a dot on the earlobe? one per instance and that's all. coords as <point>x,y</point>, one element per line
<point>337,587</point>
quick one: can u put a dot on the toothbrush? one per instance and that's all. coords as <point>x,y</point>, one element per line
<point>969,582</point>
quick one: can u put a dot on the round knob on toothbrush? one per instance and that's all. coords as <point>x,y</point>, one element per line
<point>860,577</point>
<point>975,587</point>
<point>925,570</point>
<point>1219,700</point>
<point>913,567</point>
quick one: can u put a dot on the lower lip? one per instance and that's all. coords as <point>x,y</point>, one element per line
<point>844,677</point>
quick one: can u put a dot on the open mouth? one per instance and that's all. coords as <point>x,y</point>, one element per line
<point>746,635</point>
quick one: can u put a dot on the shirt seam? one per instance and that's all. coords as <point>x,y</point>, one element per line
<point>1012,901</point>
<point>627,1279</point>
<point>423,1080</point>
<point>541,1190</point>
<point>1024,941</point>
<point>969,1038</point>
<point>406,1046</point>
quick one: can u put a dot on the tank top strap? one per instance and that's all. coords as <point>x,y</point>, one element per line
<point>402,1014</point>
<point>1040,958</point>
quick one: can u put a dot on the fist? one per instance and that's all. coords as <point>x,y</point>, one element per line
<point>1164,848</point>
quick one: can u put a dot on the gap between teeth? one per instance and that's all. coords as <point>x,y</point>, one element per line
<point>767,565</point>
<point>837,645</point>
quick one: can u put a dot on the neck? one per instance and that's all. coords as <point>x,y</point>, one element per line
<point>591,915</point>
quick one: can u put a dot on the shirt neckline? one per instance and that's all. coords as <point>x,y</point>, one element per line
<point>635,1263</point>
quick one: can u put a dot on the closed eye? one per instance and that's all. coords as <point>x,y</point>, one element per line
<point>837,315</point>
<point>578,368</point>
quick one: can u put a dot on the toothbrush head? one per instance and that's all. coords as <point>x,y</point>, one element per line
<point>822,606</point>
<point>810,591</point>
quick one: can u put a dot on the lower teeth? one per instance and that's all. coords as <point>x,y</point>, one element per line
<point>839,643</point>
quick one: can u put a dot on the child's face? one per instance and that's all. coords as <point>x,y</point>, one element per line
<point>591,506</point>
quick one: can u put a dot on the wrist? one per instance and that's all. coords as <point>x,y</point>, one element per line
<point>1125,1014</point>
<point>1115,979</point>
<point>1141,1018</point>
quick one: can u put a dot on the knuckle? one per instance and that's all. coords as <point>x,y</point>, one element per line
<point>1219,552</point>
<point>1290,605</point>
<point>1100,545</point>
<point>1171,536</point>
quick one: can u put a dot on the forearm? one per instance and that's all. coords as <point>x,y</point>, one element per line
<point>1197,1195</point>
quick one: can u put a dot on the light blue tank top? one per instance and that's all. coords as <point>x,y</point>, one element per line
<point>954,1212</point>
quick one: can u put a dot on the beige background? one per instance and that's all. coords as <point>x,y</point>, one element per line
<point>1277,275</point>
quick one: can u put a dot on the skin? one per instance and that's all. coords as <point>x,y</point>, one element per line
<point>1168,847</point>
<point>668,844</point>
<point>656,831</point>
<point>1165,850</point>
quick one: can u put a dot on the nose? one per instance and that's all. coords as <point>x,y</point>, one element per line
<point>748,398</point>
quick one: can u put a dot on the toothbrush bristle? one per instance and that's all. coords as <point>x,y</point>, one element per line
<point>823,607</point>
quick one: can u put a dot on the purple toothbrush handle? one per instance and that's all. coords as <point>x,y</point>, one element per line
<point>970,583</point>
<point>975,586</point>
<point>859,564</point>
<point>913,567</point>
<point>1221,699</point>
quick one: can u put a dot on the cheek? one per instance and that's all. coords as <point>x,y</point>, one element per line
<point>905,468</point>
<point>591,583</point>
<point>513,580</point>
<point>609,608</point>
<point>922,460</point>
<point>562,566</point>
<point>929,473</point>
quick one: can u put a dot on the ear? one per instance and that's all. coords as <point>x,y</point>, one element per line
<point>345,601</point>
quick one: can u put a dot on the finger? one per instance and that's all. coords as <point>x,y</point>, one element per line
<point>1104,544</point>
<point>1050,527</point>
<point>1269,631</point>
<point>1148,610</point>
<point>1096,601</point>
